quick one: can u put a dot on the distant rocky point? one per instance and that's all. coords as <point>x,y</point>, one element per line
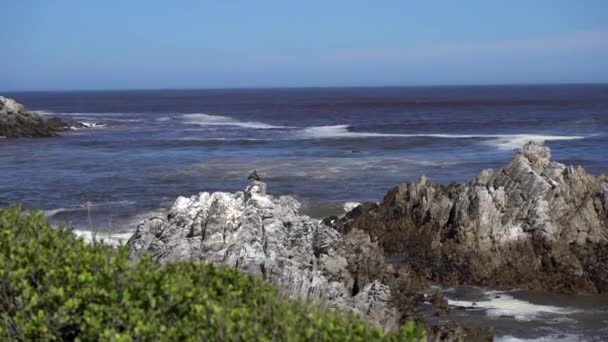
<point>17,122</point>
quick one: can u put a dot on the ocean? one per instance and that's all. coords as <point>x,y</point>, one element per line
<point>327,147</point>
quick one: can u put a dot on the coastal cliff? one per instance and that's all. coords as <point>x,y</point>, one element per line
<point>534,224</point>
<point>17,122</point>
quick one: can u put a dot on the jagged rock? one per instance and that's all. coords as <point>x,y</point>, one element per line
<point>254,176</point>
<point>302,257</point>
<point>10,106</point>
<point>440,304</point>
<point>266,236</point>
<point>16,122</point>
<point>534,224</point>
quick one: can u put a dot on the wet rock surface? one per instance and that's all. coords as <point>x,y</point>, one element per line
<point>17,122</point>
<point>534,224</point>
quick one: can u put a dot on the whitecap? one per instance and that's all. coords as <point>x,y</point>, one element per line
<point>96,114</point>
<point>218,120</point>
<point>348,206</point>
<point>112,239</point>
<point>502,141</point>
<point>126,227</point>
<point>515,141</point>
<point>548,338</point>
<point>342,131</point>
<point>87,125</point>
<point>501,304</point>
<point>92,124</point>
<point>44,112</point>
<point>52,212</point>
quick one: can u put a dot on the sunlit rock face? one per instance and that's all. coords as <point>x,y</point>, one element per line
<point>266,236</point>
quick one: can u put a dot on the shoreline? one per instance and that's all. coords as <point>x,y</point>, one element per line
<point>503,309</point>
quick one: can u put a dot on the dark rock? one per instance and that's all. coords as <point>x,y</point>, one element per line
<point>440,304</point>
<point>329,220</point>
<point>451,331</point>
<point>534,224</point>
<point>17,122</point>
<point>253,176</point>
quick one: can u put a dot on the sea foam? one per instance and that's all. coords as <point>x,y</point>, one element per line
<point>548,338</point>
<point>218,120</point>
<point>348,206</point>
<point>501,304</point>
<point>112,239</point>
<point>501,141</point>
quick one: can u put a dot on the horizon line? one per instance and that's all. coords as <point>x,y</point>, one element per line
<point>455,85</point>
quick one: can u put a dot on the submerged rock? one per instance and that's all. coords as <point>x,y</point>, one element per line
<point>17,122</point>
<point>535,224</point>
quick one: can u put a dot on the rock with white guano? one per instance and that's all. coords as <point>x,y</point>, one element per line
<point>267,237</point>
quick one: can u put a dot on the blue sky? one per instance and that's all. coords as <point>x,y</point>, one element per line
<point>126,44</point>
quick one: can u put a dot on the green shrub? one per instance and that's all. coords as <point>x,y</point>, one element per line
<point>54,286</point>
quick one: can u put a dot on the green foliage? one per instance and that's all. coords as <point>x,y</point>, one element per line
<point>54,286</point>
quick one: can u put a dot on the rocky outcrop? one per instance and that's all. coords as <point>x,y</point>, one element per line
<point>535,224</point>
<point>17,122</point>
<point>266,236</point>
<point>304,258</point>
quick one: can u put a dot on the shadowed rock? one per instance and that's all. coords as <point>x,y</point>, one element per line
<point>535,224</point>
<point>253,176</point>
<point>17,122</point>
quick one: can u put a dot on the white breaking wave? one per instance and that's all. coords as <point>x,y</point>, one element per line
<point>44,112</point>
<point>501,304</point>
<point>92,114</point>
<point>112,239</point>
<point>348,206</point>
<point>548,338</point>
<point>218,120</point>
<point>502,141</point>
<point>515,141</point>
<point>52,212</point>
<point>342,131</point>
<point>92,124</point>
